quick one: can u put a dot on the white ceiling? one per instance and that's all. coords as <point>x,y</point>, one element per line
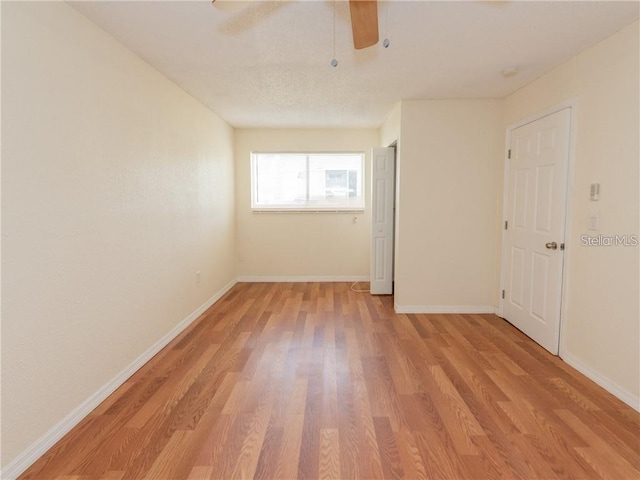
<point>269,64</point>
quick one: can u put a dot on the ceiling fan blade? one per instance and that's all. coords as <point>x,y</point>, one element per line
<point>364,22</point>
<point>229,6</point>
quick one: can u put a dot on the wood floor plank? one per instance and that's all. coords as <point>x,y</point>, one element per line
<point>172,391</point>
<point>383,397</point>
<point>65,457</point>
<point>369,463</point>
<point>455,401</point>
<point>100,465</point>
<point>213,447</point>
<point>252,443</point>
<point>489,463</point>
<point>165,465</point>
<point>440,461</point>
<point>314,380</point>
<point>500,361</point>
<point>291,447</point>
<point>111,475</point>
<point>413,463</point>
<point>200,472</point>
<point>347,430</point>
<point>539,465</point>
<point>270,453</point>
<point>308,464</point>
<point>608,450</point>
<point>481,394</point>
<point>389,453</point>
<point>329,463</point>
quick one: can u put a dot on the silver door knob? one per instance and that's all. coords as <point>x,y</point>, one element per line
<point>551,245</point>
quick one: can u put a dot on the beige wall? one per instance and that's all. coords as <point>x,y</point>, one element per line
<point>117,187</point>
<point>390,129</point>
<point>289,245</point>
<point>601,323</point>
<point>448,190</point>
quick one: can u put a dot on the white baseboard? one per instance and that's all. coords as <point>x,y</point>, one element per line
<point>23,461</point>
<point>258,279</point>
<point>627,397</point>
<point>444,308</point>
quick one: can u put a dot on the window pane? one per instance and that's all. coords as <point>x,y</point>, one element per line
<point>308,181</point>
<point>336,180</point>
<point>281,179</point>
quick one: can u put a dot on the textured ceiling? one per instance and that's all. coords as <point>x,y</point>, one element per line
<point>268,65</point>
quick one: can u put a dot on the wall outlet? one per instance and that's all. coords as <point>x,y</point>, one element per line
<point>198,276</point>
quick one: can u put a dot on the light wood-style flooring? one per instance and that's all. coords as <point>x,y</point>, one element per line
<point>313,380</point>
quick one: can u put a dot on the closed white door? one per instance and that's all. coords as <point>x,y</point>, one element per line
<point>535,226</point>
<point>382,202</point>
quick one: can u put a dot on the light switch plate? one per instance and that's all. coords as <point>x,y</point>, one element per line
<point>593,222</point>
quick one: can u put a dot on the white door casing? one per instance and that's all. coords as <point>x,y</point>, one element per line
<point>382,201</point>
<point>535,227</point>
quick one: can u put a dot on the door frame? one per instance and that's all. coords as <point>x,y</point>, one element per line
<point>572,105</point>
<point>394,145</point>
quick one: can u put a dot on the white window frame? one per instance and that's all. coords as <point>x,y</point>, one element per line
<point>308,207</point>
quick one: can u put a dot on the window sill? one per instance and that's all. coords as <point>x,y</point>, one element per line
<point>307,210</point>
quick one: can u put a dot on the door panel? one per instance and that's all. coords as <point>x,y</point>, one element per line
<point>539,281</point>
<point>381,200</point>
<point>536,211</point>
<point>521,186</point>
<point>380,267</point>
<point>517,288</point>
<point>544,200</point>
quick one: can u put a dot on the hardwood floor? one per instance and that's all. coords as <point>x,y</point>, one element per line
<point>313,380</point>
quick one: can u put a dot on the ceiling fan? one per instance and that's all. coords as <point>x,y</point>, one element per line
<point>364,19</point>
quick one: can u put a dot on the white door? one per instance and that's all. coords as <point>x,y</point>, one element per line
<point>535,225</point>
<point>382,200</point>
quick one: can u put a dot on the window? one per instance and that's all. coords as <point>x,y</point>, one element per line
<point>307,181</point>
